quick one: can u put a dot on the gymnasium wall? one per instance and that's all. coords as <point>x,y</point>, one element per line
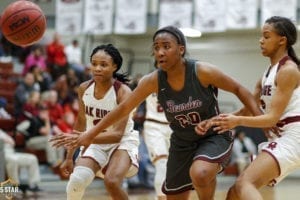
<point>237,53</point>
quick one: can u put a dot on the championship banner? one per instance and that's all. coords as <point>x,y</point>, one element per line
<point>210,15</point>
<point>241,14</point>
<point>175,12</point>
<point>68,17</point>
<point>284,8</point>
<point>98,17</point>
<point>131,17</point>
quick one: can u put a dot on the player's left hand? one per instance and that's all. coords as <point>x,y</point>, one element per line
<point>202,127</point>
<point>224,122</point>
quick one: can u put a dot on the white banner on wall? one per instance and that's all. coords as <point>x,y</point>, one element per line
<point>98,16</point>
<point>241,14</point>
<point>210,15</point>
<point>285,8</point>
<point>177,13</point>
<point>68,17</point>
<point>131,16</point>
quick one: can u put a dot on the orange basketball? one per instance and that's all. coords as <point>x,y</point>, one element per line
<point>23,23</point>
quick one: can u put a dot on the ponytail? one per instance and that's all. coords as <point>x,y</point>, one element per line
<point>292,54</point>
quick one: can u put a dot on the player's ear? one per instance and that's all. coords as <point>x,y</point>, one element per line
<point>283,40</point>
<point>182,50</point>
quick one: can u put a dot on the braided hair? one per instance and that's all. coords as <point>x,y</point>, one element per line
<point>117,59</point>
<point>285,27</point>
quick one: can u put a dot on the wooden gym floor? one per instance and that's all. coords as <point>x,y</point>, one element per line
<point>289,189</point>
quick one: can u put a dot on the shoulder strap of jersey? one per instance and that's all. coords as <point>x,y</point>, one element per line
<point>282,61</point>
<point>90,83</point>
<point>117,84</point>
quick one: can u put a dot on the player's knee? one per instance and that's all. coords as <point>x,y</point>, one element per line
<point>112,181</point>
<point>160,167</point>
<point>80,179</point>
<point>202,176</point>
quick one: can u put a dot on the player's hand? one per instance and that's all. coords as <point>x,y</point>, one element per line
<point>224,122</point>
<point>272,132</point>
<point>64,139</point>
<point>67,167</point>
<point>202,127</point>
<point>82,140</point>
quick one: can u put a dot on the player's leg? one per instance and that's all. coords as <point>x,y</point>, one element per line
<point>81,177</point>
<point>157,139</point>
<point>160,175</point>
<point>203,175</point>
<point>211,155</point>
<point>181,196</point>
<point>259,173</point>
<point>118,167</point>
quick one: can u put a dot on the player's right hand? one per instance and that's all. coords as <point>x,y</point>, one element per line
<point>67,167</point>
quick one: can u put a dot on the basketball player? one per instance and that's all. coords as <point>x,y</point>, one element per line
<point>114,153</point>
<point>157,134</point>
<point>186,90</point>
<point>279,94</point>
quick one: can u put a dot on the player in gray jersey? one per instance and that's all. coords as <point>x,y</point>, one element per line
<point>187,91</point>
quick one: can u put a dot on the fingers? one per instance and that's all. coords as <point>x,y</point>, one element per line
<point>56,137</point>
<point>200,130</point>
<point>61,140</point>
<point>71,144</point>
<point>76,132</point>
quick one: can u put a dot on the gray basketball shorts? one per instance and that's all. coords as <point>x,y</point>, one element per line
<point>214,149</point>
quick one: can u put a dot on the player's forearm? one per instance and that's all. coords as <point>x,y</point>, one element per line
<point>249,101</point>
<point>262,121</point>
<point>70,153</point>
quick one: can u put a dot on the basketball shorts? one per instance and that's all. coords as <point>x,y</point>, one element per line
<point>102,153</point>
<point>214,149</point>
<point>157,139</point>
<point>285,150</point>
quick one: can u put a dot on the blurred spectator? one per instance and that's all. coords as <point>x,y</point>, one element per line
<point>56,57</point>
<point>243,148</point>
<point>56,110</point>
<point>25,87</point>
<point>31,107</point>
<point>64,125</point>
<point>66,87</point>
<point>3,112</point>
<point>72,106</point>
<point>42,78</point>
<point>16,160</point>
<point>38,133</point>
<point>74,57</point>
<point>36,58</point>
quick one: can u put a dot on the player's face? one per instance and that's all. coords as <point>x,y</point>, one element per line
<point>270,41</point>
<point>102,66</point>
<point>166,50</point>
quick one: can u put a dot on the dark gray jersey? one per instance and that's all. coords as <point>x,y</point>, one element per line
<point>184,109</point>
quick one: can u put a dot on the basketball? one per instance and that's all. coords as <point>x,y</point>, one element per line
<point>23,23</point>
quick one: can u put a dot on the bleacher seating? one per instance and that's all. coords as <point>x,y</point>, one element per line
<point>8,84</point>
